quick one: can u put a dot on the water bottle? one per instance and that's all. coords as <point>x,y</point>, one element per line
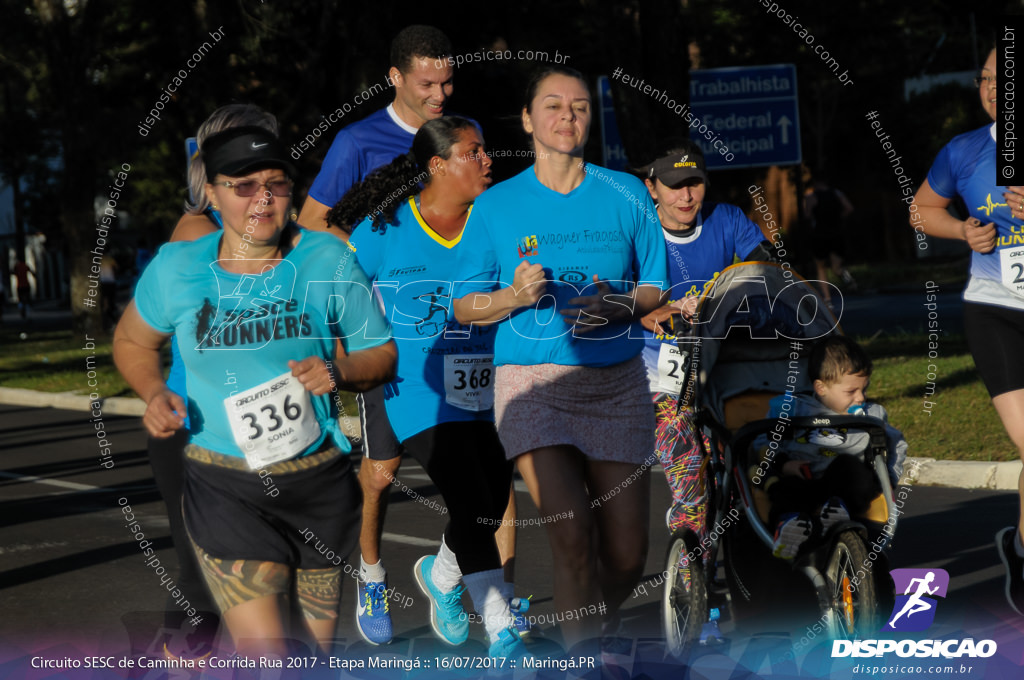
<point>710,633</point>
<point>519,605</point>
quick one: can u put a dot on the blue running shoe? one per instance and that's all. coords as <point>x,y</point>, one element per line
<point>509,646</point>
<point>372,616</point>
<point>447,616</point>
<point>518,606</point>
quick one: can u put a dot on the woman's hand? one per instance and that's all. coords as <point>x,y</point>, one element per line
<point>1014,197</point>
<point>528,283</point>
<point>602,308</point>
<point>685,307</point>
<point>314,375</point>
<point>980,237</point>
<point>653,321</point>
<point>165,414</point>
<point>688,306</point>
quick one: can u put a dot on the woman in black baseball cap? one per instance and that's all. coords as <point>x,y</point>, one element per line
<point>271,320</point>
<point>701,239</point>
<point>248,173</point>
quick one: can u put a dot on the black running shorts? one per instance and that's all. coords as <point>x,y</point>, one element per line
<point>379,440</point>
<point>280,513</point>
<point>996,335</point>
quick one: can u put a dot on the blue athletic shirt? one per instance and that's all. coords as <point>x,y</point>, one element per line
<point>358,150</point>
<point>606,226</point>
<point>176,375</point>
<point>411,267</point>
<point>722,233</point>
<point>967,167</point>
<point>292,311</point>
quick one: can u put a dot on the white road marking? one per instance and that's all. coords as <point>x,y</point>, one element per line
<point>54,482</point>
<point>411,540</point>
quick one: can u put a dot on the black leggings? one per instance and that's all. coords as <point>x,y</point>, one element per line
<point>167,458</point>
<point>467,464</point>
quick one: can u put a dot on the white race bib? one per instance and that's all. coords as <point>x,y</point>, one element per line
<point>671,368</point>
<point>469,381</point>
<point>273,421</point>
<point>1011,266</point>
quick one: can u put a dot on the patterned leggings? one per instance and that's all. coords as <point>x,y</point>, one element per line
<point>680,455</point>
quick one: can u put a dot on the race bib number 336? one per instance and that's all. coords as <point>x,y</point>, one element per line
<point>273,421</point>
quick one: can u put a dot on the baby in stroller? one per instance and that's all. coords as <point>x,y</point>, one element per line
<point>819,478</point>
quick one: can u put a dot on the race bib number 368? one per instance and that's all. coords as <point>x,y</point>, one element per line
<point>273,421</point>
<point>469,381</point>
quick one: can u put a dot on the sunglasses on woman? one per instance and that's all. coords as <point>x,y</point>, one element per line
<point>248,187</point>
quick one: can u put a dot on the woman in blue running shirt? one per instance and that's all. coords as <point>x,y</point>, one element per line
<point>166,456</point>
<point>266,468</point>
<point>582,249</point>
<point>994,297</point>
<point>440,404</point>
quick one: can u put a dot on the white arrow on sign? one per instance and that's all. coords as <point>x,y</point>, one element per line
<point>784,123</point>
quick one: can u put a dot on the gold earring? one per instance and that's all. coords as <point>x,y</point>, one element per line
<point>215,207</point>
<point>294,216</point>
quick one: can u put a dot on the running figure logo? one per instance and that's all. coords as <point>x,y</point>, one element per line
<point>426,325</point>
<point>914,610</point>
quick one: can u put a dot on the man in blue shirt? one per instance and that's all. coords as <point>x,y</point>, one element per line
<point>422,76</point>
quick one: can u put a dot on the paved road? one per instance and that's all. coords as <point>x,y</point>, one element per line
<point>74,582</point>
<point>898,313</point>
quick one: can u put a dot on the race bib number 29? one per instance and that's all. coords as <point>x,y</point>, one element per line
<point>272,422</point>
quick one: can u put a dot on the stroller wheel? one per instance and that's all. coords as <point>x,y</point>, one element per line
<point>850,607</point>
<point>685,598</point>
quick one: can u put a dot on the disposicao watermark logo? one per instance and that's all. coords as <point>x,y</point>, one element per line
<point>915,611</point>
<point>915,608</point>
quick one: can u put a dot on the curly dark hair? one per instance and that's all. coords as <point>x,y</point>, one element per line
<point>386,188</point>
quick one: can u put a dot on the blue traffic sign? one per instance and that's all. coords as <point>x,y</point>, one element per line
<point>613,151</point>
<point>746,117</point>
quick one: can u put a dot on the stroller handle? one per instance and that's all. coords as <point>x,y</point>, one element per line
<point>874,428</point>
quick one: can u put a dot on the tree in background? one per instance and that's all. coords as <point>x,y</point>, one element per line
<point>81,75</point>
